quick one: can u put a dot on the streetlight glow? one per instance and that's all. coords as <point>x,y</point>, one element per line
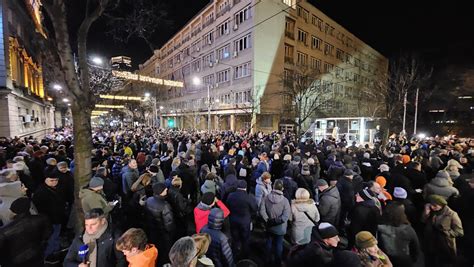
<point>65,100</point>
<point>196,81</point>
<point>161,107</point>
<point>97,60</point>
<point>57,87</point>
<point>147,94</point>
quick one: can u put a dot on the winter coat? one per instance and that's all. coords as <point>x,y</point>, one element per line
<point>147,258</point>
<point>330,205</point>
<point>289,187</point>
<point>219,250</point>
<point>261,168</point>
<point>160,215</point>
<point>275,211</point>
<point>277,169</point>
<point>66,184</point>
<point>400,243</point>
<point>177,202</point>
<point>364,217</point>
<point>242,206</point>
<point>336,170</point>
<point>49,201</point>
<point>301,225</point>
<point>262,190</point>
<point>347,193</point>
<point>441,230</point>
<point>230,185</point>
<point>9,192</point>
<point>107,255</point>
<point>92,200</point>
<point>129,176</point>
<point>417,178</point>
<point>400,180</point>
<point>201,213</point>
<point>23,240</point>
<point>189,182</point>
<point>440,186</point>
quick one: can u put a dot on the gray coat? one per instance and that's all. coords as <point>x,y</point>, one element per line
<point>330,205</point>
<point>440,186</point>
<point>401,242</point>
<point>261,190</point>
<point>275,210</point>
<point>301,225</point>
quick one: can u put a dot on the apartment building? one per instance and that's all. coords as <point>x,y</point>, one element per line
<point>24,107</point>
<point>241,51</point>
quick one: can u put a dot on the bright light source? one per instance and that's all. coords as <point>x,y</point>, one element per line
<point>422,136</point>
<point>97,60</point>
<point>50,99</point>
<point>69,104</point>
<point>217,100</point>
<point>57,87</point>
<point>65,100</point>
<point>196,81</point>
<point>161,107</point>
<point>147,94</point>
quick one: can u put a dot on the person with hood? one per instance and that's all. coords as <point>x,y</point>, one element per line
<point>440,185</point>
<point>289,186</point>
<point>329,202</point>
<point>210,184</point>
<point>305,179</point>
<point>370,254</point>
<point>219,251</point>
<point>11,188</point>
<point>396,236</point>
<point>275,211</point>
<point>366,214</point>
<point>304,215</point>
<point>322,250</point>
<point>49,201</point>
<point>22,241</point>
<point>442,227</point>
<point>100,237</point>
<point>242,207</point>
<point>92,197</point>
<point>134,246</point>
<point>229,186</point>
<point>202,210</point>
<point>263,188</point>
<point>335,170</point>
<point>160,221</point>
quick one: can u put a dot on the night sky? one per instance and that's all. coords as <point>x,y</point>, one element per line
<point>435,29</point>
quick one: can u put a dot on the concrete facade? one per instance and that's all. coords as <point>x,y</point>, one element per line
<point>24,109</point>
<point>241,49</point>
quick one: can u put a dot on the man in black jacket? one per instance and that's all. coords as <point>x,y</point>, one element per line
<point>160,221</point>
<point>23,240</point>
<point>345,186</point>
<point>242,206</point>
<point>100,239</point>
<point>49,201</point>
<point>179,206</point>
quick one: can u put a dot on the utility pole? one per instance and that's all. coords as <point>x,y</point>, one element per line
<point>416,111</point>
<point>208,108</point>
<point>404,112</point>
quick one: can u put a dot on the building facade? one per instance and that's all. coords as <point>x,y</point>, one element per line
<point>24,107</point>
<point>242,50</point>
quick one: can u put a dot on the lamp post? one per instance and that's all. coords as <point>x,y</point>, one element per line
<point>197,82</point>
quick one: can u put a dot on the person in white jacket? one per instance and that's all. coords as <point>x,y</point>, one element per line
<point>304,215</point>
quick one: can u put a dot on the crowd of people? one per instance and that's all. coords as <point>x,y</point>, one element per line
<point>193,198</point>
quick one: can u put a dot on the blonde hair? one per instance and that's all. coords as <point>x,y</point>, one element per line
<point>302,194</point>
<point>202,242</point>
<point>266,175</point>
<point>177,182</point>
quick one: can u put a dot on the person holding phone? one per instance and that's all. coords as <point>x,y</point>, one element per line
<point>93,197</point>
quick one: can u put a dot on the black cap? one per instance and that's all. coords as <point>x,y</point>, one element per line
<point>158,188</point>
<point>208,198</point>
<point>20,205</point>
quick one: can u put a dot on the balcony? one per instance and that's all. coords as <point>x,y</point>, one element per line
<point>223,11</point>
<point>289,60</point>
<point>236,2</point>
<point>290,35</point>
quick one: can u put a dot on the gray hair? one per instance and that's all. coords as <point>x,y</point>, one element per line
<point>62,164</point>
<point>182,252</point>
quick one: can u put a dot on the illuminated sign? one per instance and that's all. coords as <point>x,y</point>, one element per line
<point>109,106</point>
<point>132,76</point>
<point>170,123</point>
<point>122,97</point>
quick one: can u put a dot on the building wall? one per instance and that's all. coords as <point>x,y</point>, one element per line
<point>260,93</point>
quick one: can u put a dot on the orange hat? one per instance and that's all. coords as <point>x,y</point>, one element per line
<point>381,181</point>
<point>406,159</point>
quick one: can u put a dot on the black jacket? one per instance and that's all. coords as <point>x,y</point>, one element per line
<point>107,255</point>
<point>242,206</point>
<point>160,214</point>
<point>289,187</point>
<point>347,193</point>
<point>219,251</point>
<point>417,178</point>
<point>364,217</point>
<point>66,185</point>
<point>189,182</point>
<point>50,202</point>
<point>23,240</point>
<point>178,202</point>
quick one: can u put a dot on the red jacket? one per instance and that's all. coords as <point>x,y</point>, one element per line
<point>201,215</point>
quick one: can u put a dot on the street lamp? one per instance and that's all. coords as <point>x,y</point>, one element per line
<point>65,100</point>
<point>57,87</point>
<point>147,94</point>
<point>197,82</point>
<point>97,61</point>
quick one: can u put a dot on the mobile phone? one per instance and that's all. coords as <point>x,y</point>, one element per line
<point>115,202</point>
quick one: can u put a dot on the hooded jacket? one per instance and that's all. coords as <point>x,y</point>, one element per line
<point>145,259</point>
<point>330,205</point>
<point>301,225</point>
<point>242,206</point>
<point>230,185</point>
<point>209,186</point>
<point>201,213</point>
<point>219,250</point>
<point>440,186</point>
<point>92,200</point>
<point>275,210</point>
<point>262,190</point>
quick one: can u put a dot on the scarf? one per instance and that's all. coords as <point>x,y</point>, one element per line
<point>91,241</point>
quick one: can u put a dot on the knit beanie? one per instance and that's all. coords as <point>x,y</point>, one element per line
<point>321,182</point>
<point>406,159</point>
<point>400,193</point>
<point>153,169</point>
<point>437,200</point>
<point>381,181</point>
<point>242,184</point>
<point>384,168</point>
<point>348,172</point>
<point>208,198</point>
<point>442,174</point>
<point>305,170</point>
<point>96,182</point>
<point>311,161</point>
<point>287,157</point>
<point>158,188</point>
<point>327,230</point>
<point>20,205</point>
<point>365,239</point>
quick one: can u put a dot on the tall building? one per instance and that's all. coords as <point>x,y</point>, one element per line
<point>24,109</point>
<point>121,63</point>
<point>242,50</point>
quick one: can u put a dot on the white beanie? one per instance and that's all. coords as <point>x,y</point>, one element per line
<point>287,157</point>
<point>311,161</point>
<point>400,193</point>
<point>384,168</point>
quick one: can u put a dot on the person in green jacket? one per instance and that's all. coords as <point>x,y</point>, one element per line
<point>93,197</point>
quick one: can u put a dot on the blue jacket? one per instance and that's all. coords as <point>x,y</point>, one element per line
<point>219,250</point>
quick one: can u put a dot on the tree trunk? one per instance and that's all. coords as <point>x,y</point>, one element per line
<point>82,156</point>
